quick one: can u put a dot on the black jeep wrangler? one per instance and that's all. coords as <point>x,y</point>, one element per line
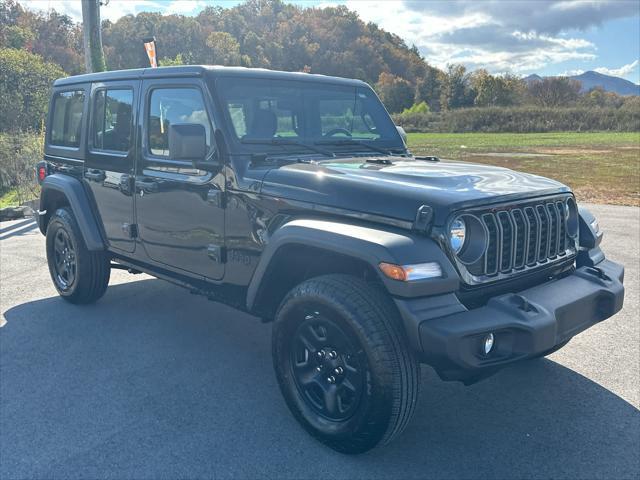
<point>294,197</point>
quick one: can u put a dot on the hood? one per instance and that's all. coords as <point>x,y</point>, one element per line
<point>397,186</point>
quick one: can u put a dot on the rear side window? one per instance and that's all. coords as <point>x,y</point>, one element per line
<point>112,119</point>
<point>171,106</point>
<point>66,124</point>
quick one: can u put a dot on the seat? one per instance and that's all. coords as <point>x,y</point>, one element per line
<point>263,125</point>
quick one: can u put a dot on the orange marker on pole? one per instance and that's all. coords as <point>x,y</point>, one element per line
<point>150,48</point>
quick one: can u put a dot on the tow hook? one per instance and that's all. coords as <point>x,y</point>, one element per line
<point>598,272</point>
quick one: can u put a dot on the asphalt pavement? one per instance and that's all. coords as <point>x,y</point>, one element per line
<point>153,382</point>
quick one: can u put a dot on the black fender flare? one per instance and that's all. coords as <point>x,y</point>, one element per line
<point>366,243</point>
<point>79,202</point>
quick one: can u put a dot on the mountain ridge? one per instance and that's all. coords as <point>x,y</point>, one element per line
<point>592,79</point>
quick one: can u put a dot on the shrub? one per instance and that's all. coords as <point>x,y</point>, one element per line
<point>421,107</point>
<point>19,152</point>
<point>522,120</point>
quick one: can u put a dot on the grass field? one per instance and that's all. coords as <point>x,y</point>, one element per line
<point>599,167</point>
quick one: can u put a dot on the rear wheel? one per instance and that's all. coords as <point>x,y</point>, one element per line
<point>342,363</point>
<point>79,275</point>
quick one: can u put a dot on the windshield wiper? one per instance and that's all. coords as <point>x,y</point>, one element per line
<point>286,141</point>
<point>349,141</point>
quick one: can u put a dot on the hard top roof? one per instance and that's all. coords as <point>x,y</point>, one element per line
<point>202,70</point>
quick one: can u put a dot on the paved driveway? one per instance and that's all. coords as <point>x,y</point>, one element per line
<point>152,382</point>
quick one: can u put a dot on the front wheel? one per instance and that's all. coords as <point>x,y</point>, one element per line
<point>342,363</point>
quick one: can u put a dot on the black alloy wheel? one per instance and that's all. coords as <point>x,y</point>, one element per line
<point>79,275</point>
<point>64,260</point>
<point>343,364</point>
<point>326,367</point>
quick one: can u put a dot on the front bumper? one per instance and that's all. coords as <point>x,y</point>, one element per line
<point>525,324</point>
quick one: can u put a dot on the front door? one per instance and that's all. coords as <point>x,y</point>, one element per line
<point>180,212</point>
<point>110,159</point>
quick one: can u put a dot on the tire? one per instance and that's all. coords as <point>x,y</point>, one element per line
<point>340,327</point>
<point>79,275</point>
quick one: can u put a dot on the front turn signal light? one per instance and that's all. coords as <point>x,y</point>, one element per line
<point>410,273</point>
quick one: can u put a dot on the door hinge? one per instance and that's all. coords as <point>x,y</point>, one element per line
<point>216,197</point>
<point>130,229</point>
<point>217,253</point>
<point>422,223</point>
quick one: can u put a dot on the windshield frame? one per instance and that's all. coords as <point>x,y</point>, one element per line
<point>394,142</point>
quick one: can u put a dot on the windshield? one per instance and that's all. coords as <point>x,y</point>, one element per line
<point>338,117</point>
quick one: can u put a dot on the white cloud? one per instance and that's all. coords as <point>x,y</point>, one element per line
<point>503,36</point>
<point>571,73</point>
<point>184,7</point>
<point>623,71</point>
<point>467,33</point>
<point>545,16</point>
<point>113,10</point>
<point>68,7</point>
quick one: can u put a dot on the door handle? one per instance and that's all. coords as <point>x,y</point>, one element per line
<point>146,185</point>
<point>95,175</point>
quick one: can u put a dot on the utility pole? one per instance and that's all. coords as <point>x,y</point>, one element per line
<point>92,36</point>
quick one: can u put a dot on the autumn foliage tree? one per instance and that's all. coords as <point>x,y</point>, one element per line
<point>554,91</point>
<point>395,92</point>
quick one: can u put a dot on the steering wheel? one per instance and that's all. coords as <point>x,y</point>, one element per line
<point>336,131</point>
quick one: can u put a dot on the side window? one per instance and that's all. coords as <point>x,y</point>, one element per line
<point>112,119</point>
<point>66,123</point>
<point>171,106</point>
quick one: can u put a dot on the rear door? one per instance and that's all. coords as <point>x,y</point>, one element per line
<point>110,159</point>
<point>179,209</point>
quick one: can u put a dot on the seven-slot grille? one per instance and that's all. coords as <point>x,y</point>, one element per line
<point>522,237</point>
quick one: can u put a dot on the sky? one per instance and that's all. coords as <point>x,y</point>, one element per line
<point>547,37</point>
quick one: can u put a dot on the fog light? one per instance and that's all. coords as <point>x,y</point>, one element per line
<point>488,343</point>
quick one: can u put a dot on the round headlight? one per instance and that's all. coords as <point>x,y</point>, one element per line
<point>457,234</point>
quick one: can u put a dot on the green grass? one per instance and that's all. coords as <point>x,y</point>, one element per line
<point>600,167</point>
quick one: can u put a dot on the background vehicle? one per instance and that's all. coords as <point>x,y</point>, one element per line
<point>293,197</point>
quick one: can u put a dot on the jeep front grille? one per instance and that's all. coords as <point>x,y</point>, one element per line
<point>522,237</point>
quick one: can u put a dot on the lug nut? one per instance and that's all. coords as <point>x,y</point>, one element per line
<point>331,379</point>
<point>338,371</point>
<point>332,354</point>
<point>318,369</point>
<point>320,354</point>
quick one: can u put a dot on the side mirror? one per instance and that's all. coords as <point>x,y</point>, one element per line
<point>403,134</point>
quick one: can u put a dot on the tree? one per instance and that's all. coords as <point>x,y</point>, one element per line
<point>395,92</point>
<point>455,89</point>
<point>429,88</point>
<point>17,37</point>
<point>554,91</point>
<point>25,83</point>
<point>173,62</point>
<point>224,49</point>
<point>490,91</point>
<point>598,98</point>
